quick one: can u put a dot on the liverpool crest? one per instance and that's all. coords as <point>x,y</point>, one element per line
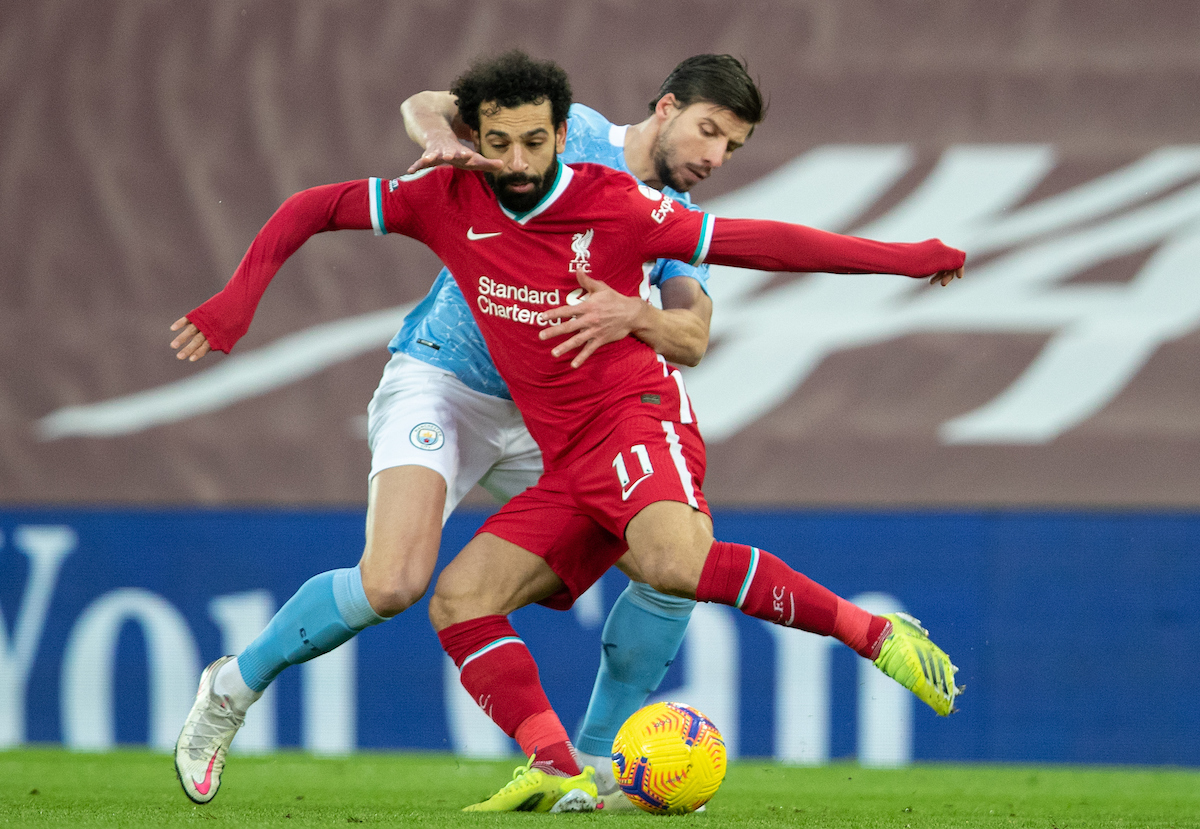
<point>579,244</point>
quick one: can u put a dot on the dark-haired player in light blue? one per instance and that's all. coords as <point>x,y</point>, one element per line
<point>442,420</point>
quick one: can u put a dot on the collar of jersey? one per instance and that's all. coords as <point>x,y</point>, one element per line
<point>616,137</point>
<point>562,178</point>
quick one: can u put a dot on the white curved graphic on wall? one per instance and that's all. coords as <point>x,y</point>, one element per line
<point>1100,334</point>
<point>969,200</point>
<point>235,378</point>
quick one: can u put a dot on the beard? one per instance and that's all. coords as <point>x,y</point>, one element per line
<point>522,202</point>
<point>664,172</point>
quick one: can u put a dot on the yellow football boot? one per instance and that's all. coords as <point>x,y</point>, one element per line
<point>910,658</point>
<point>533,790</point>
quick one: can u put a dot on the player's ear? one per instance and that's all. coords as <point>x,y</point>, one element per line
<point>560,137</point>
<point>666,105</point>
<point>476,140</point>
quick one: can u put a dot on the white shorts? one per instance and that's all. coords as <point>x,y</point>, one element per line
<point>424,416</point>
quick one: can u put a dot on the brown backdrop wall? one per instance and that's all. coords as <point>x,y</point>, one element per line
<point>142,144</point>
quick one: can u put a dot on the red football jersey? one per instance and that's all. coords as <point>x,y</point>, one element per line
<point>513,268</point>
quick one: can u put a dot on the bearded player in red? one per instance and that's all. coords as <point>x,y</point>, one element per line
<point>624,460</point>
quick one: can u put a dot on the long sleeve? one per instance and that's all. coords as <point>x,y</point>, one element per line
<point>225,317</point>
<point>778,246</point>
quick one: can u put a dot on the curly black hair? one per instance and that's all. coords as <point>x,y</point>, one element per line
<point>511,80</point>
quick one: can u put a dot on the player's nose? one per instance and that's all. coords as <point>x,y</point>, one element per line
<point>715,154</point>
<point>519,161</point>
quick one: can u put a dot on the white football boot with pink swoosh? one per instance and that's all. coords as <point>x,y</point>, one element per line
<point>205,738</point>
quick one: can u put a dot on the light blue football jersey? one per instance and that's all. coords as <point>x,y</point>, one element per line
<point>441,331</point>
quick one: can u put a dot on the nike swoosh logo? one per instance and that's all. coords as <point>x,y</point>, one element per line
<point>473,236</point>
<point>202,786</point>
<point>625,493</point>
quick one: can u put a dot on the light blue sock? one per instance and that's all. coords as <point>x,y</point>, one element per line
<point>327,610</point>
<point>640,639</point>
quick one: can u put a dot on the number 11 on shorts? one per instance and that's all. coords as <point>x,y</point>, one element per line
<point>618,463</point>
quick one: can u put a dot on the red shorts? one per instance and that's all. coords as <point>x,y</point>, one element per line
<point>575,516</point>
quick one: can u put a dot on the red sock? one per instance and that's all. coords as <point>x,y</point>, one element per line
<point>500,675</point>
<point>763,586</point>
<point>864,632</point>
<point>543,737</point>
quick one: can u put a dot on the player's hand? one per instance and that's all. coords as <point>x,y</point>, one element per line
<point>191,342</point>
<point>944,278</point>
<point>602,316</point>
<point>448,150</point>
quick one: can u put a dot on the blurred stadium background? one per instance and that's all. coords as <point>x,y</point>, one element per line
<point>1013,459</point>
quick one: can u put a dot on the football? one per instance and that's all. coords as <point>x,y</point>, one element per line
<point>669,759</point>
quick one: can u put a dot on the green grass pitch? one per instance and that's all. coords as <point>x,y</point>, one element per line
<point>51,787</point>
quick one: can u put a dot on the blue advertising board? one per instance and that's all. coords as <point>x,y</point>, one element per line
<point>1076,635</point>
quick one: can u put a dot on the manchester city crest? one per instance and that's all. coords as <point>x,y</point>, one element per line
<point>427,436</point>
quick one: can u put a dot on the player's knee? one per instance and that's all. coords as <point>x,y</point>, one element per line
<point>392,593</point>
<point>393,599</point>
<point>439,615</point>
<point>451,599</point>
<point>672,574</point>
<point>669,542</point>
<point>672,565</point>
<point>445,610</point>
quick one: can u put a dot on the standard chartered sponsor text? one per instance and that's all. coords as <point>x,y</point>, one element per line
<point>489,288</point>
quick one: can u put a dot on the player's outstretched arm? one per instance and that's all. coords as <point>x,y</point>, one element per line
<point>432,122</point>
<point>225,318</point>
<point>779,246</point>
<point>678,331</point>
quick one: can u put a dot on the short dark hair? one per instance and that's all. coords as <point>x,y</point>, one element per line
<point>716,79</point>
<point>510,80</point>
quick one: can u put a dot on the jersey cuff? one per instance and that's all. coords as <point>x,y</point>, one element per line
<point>375,188</point>
<point>706,231</point>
